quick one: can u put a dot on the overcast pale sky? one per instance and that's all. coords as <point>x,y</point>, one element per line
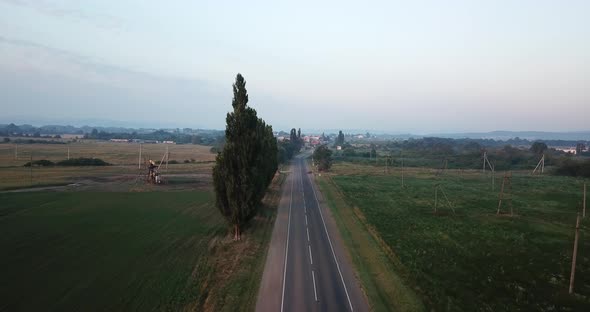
<point>399,66</point>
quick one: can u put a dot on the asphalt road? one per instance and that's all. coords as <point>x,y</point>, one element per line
<point>307,268</point>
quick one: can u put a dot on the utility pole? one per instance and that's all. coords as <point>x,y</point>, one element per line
<point>485,156</point>
<point>573,273</point>
<point>31,170</point>
<point>68,153</point>
<point>139,160</point>
<point>402,156</point>
<point>435,197</point>
<point>15,151</point>
<point>584,202</point>
<point>493,180</point>
<point>506,193</point>
<point>540,165</point>
<point>167,157</point>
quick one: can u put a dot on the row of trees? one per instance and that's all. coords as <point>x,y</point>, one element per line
<point>461,153</point>
<point>246,166</point>
<point>209,138</point>
<point>287,149</point>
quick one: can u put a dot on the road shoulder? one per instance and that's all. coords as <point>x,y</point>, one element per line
<point>271,285</point>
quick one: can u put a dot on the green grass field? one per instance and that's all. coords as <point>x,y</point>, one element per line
<point>475,260</point>
<point>103,251</point>
<point>87,251</point>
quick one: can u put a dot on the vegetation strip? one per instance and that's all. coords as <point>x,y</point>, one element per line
<point>384,288</point>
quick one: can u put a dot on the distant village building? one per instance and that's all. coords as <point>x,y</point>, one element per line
<point>571,150</point>
<point>120,140</point>
<point>168,142</point>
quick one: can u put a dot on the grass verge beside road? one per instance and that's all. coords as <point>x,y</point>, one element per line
<point>372,259</point>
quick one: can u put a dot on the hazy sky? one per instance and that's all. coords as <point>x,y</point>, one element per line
<point>399,66</point>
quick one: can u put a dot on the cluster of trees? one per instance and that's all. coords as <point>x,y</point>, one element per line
<point>573,167</point>
<point>210,138</point>
<point>322,156</point>
<point>452,153</point>
<point>339,141</point>
<point>73,162</point>
<point>247,164</point>
<point>31,141</point>
<point>29,130</point>
<point>288,148</point>
<point>187,136</point>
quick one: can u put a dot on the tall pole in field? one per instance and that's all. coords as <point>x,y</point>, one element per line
<point>31,170</point>
<point>68,153</point>
<point>15,151</point>
<point>493,180</point>
<point>573,273</point>
<point>485,156</point>
<point>402,153</point>
<point>584,202</point>
<point>540,164</point>
<point>435,196</point>
<point>139,160</point>
<point>167,157</point>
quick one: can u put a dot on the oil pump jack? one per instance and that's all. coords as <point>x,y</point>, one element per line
<point>153,175</point>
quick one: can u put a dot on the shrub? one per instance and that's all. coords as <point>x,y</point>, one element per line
<point>40,163</point>
<point>83,162</point>
<point>574,168</point>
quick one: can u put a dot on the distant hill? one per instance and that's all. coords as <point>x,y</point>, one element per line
<point>528,135</point>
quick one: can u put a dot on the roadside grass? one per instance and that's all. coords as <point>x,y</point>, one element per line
<point>236,267</point>
<point>474,260</point>
<point>381,281</point>
<point>128,251</point>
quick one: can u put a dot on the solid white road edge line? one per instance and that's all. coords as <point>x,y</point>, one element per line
<point>287,246</point>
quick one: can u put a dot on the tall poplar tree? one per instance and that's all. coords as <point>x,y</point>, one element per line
<point>247,164</point>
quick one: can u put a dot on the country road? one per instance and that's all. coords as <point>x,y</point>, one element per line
<point>307,268</point>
